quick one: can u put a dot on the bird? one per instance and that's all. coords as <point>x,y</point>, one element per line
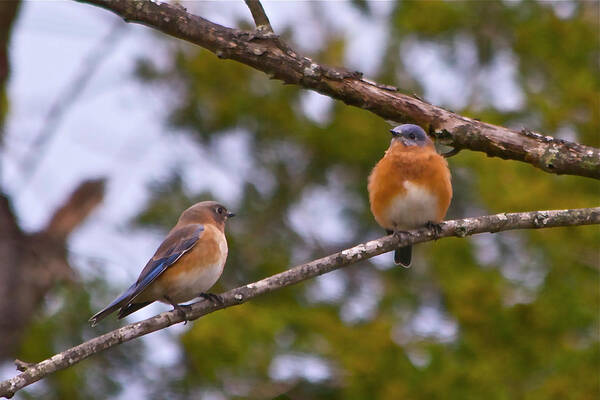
<point>188,262</point>
<point>410,186</point>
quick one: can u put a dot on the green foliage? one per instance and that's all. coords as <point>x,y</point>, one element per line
<point>525,305</point>
<point>530,336</point>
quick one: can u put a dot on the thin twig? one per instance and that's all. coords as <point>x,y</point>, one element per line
<point>458,228</point>
<point>261,20</point>
<point>68,97</point>
<point>22,365</point>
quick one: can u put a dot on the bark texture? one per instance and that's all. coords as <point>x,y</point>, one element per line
<point>267,52</point>
<point>459,228</point>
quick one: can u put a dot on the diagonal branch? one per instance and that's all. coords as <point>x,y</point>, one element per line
<point>67,98</point>
<point>458,228</point>
<point>260,17</point>
<point>268,53</point>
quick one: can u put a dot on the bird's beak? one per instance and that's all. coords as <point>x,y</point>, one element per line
<point>230,215</point>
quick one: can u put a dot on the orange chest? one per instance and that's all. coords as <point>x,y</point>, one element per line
<point>196,271</point>
<point>409,187</point>
<point>209,252</point>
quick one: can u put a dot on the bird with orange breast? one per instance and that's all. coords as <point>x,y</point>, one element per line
<point>188,262</point>
<point>410,186</point>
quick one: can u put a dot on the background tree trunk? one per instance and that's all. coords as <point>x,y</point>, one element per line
<point>32,264</point>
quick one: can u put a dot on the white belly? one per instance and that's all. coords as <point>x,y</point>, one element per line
<point>189,285</point>
<point>412,209</point>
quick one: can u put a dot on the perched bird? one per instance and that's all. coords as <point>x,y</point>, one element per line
<point>187,263</point>
<point>410,186</point>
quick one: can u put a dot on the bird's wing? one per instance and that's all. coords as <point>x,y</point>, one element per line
<point>175,245</point>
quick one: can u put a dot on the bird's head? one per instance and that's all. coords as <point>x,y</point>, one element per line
<point>206,212</point>
<point>410,135</point>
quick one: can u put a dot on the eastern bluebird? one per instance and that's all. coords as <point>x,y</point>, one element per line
<point>410,186</point>
<point>187,263</point>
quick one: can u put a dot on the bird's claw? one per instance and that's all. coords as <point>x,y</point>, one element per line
<point>398,234</point>
<point>437,228</point>
<point>180,309</point>
<point>214,298</point>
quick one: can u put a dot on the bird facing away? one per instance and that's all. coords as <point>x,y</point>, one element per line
<point>410,186</point>
<point>187,263</point>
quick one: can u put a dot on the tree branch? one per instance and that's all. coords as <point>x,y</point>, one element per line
<point>260,17</point>
<point>268,53</point>
<point>458,228</point>
<point>88,195</point>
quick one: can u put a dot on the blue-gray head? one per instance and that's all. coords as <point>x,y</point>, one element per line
<point>410,135</point>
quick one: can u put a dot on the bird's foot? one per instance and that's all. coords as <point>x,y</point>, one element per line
<point>180,309</point>
<point>215,298</point>
<point>437,228</point>
<point>398,234</point>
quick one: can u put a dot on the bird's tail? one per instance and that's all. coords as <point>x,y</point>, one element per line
<point>131,308</point>
<point>403,255</point>
<point>117,303</point>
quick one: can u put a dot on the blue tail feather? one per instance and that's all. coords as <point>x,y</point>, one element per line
<point>112,307</point>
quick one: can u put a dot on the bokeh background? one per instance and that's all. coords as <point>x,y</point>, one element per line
<point>505,316</point>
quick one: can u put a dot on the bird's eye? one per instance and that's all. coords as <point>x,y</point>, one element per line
<point>412,136</point>
<point>220,210</point>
